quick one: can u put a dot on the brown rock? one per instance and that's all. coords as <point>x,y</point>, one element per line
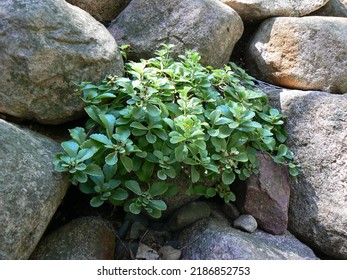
<point>305,53</point>
<point>102,10</point>
<point>266,196</point>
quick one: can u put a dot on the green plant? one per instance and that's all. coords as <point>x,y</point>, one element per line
<point>166,117</point>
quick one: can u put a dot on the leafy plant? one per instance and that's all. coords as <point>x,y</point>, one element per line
<point>166,117</point>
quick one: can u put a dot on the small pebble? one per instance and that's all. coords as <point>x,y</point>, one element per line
<point>246,223</point>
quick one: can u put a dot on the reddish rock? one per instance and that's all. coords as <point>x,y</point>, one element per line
<point>266,196</point>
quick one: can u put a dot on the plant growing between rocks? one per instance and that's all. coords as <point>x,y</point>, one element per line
<point>165,117</point>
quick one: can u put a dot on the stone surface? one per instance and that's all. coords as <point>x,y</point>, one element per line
<point>231,211</point>
<point>246,223</point>
<point>206,26</point>
<point>209,239</point>
<point>256,10</point>
<point>30,190</point>
<point>266,195</point>
<point>169,253</point>
<point>334,8</point>
<point>317,128</point>
<point>145,252</point>
<point>46,46</point>
<point>102,10</point>
<point>189,214</point>
<point>304,53</point>
<point>87,238</point>
<point>136,231</point>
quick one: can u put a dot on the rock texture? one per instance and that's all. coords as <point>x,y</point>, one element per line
<point>317,127</point>
<point>256,10</point>
<point>30,191</point>
<point>206,26</point>
<point>334,8</point>
<point>46,45</point>
<point>303,53</point>
<point>87,238</point>
<point>102,10</point>
<point>189,214</point>
<point>246,223</point>
<point>266,196</point>
<point>210,239</point>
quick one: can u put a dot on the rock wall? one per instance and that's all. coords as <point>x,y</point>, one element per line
<point>47,46</point>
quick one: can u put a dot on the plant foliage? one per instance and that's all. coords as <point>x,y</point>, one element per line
<point>165,117</point>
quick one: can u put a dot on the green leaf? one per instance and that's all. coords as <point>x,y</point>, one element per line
<point>135,209</point>
<point>161,175</point>
<point>138,125</point>
<point>133,186</point>
<point>92,112</point>
<point>282,150</point>
<point>158,188</point>
<point>127,163</point>
<point>153,110</point>
<point>200,144</point>
<point>252,124</point>
<point>96,201</point>
<point>222,121</point>
<point>78,134</point>
<point>70,147</point>
<point>146,171</point>
<point>213,132</point>
<point>211,192</point>
<point>151,138</point>
<point>281,135</point>
<point>195,174</point>
<point>293,171</point>
<point>181,152</point>
<point>108,121</point>
<point>101,138</point>
<point>158,204</point>
<point>224,131</point>
<point>112,158</point>
<point>94,170</point>
<point>153,212</point>
<point>109,171</point>
<point>118,194</point>
<point>228,177</point>
<point>219,144</point>
<point>242,157</point>
<point>85,154</point>
<point>80,176</point>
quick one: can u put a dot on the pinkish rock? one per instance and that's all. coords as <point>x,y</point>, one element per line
<point>266,196</point>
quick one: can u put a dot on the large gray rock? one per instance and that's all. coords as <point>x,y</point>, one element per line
<point>210,239</point>
<point>304,53</point>
<point>87,238</point>
<point>46,45</point>
<point>317,128</point>
<point>102,10</point>
<point>256,10</point>
<point>206,26</point>
<point>30,190</point>
<point>266,195</point>
<point>334,8</point>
